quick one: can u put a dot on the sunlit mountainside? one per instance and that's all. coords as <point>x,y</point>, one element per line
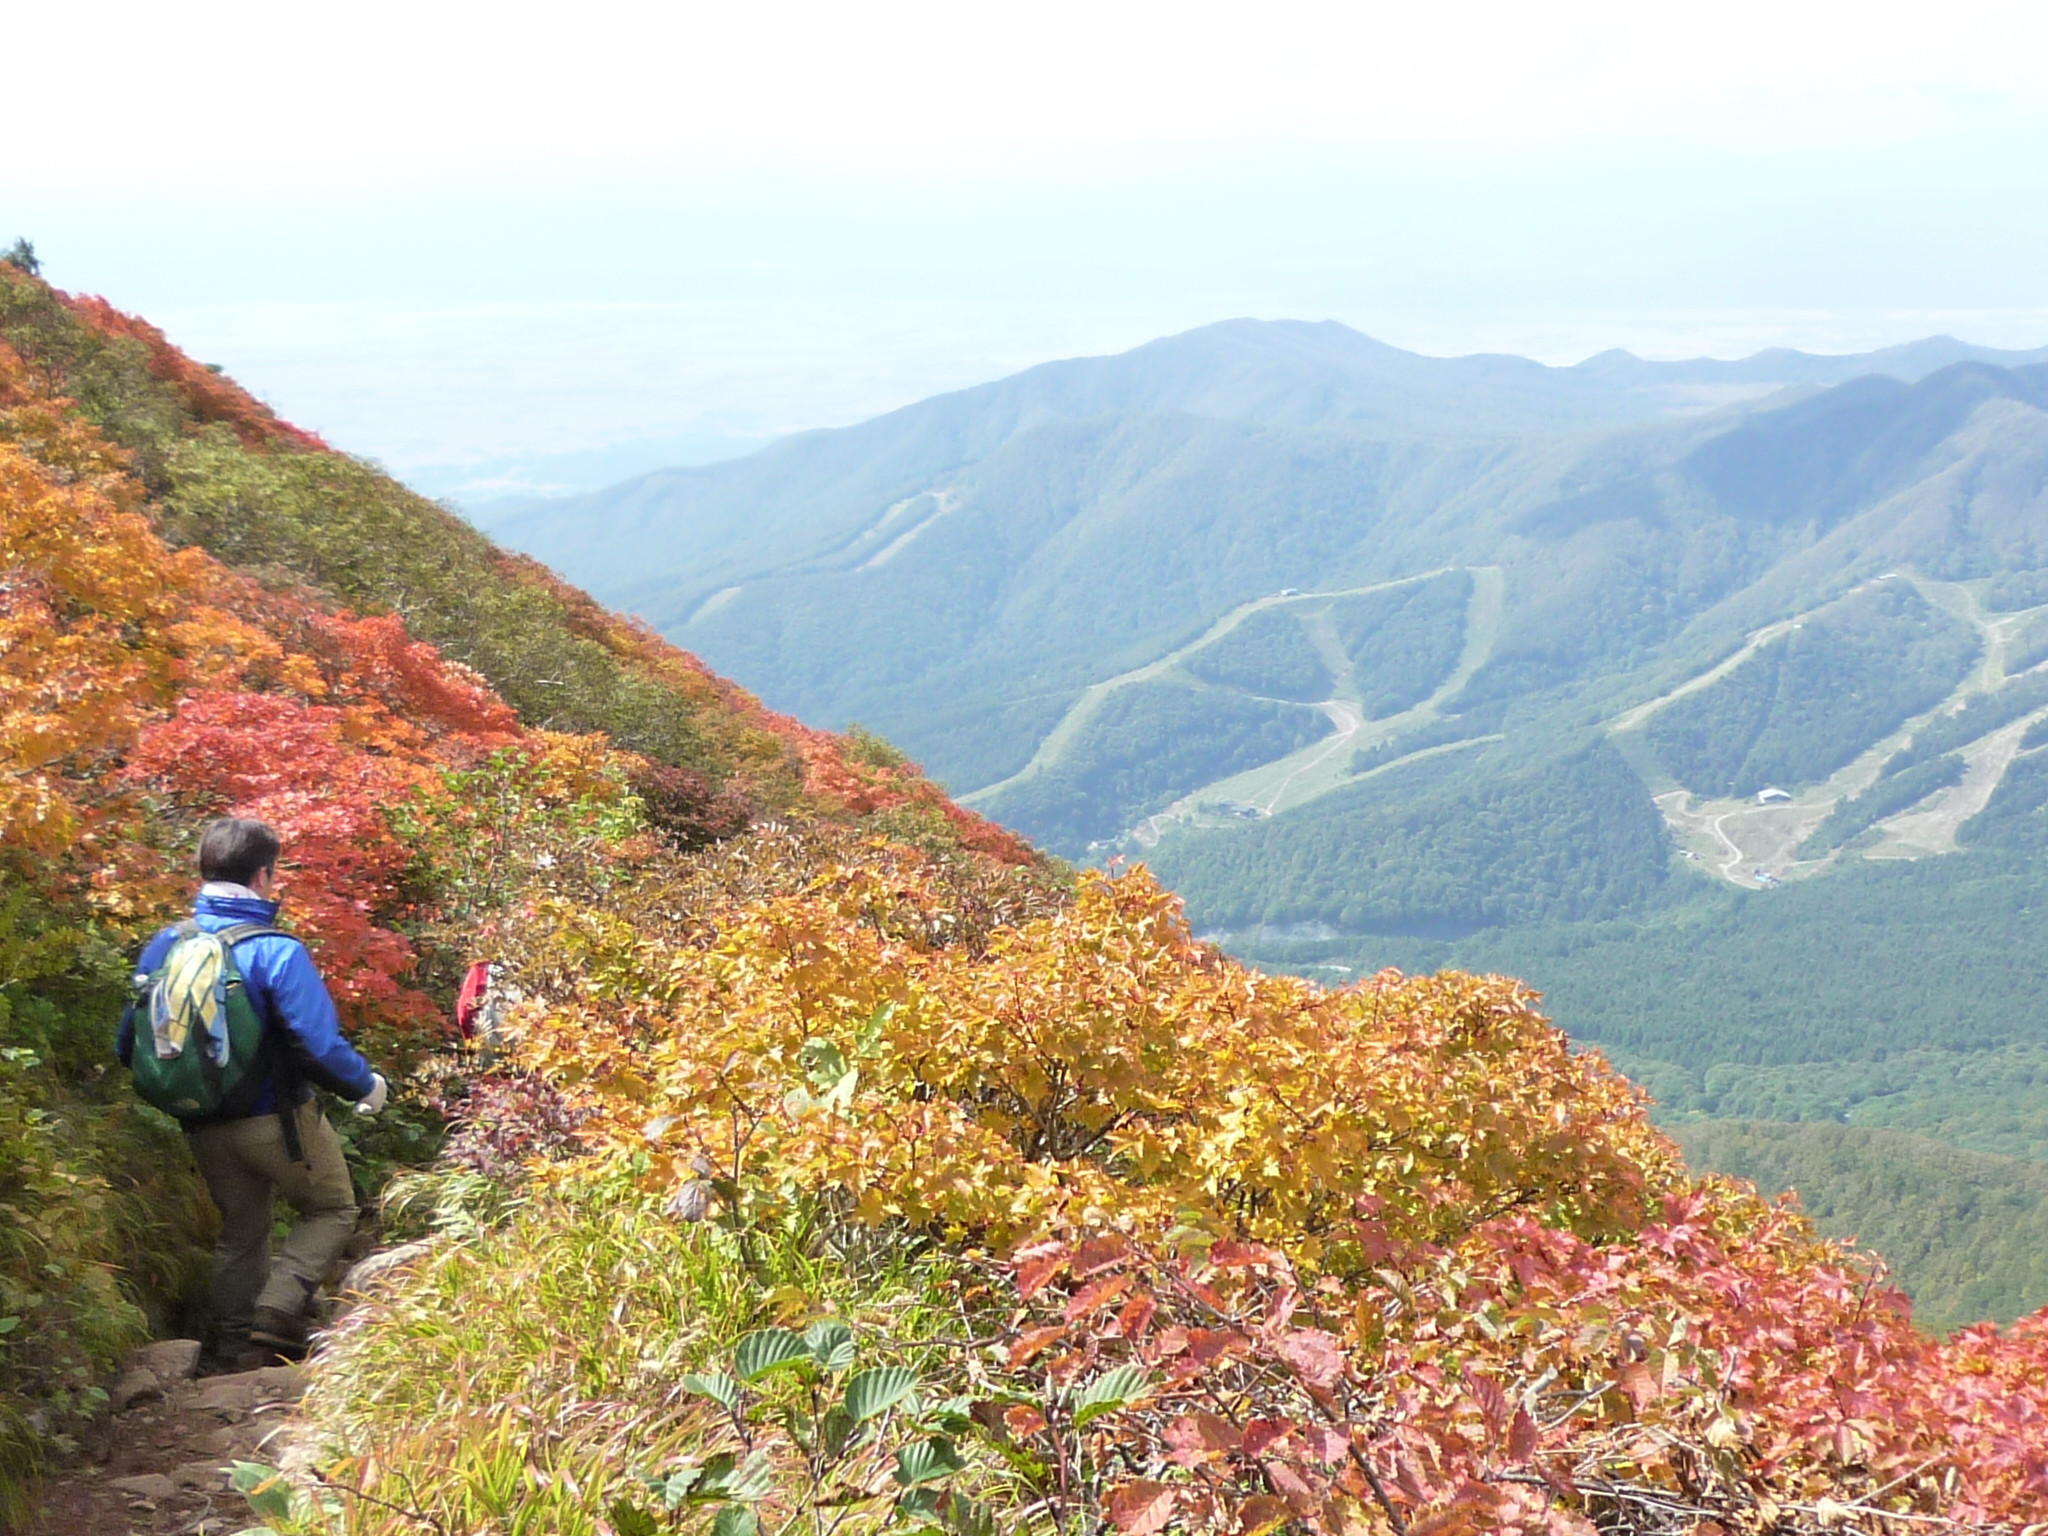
<point>1711,697</point>
<point>831,1160</point>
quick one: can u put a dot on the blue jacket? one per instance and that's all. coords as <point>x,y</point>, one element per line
<point>290,998</point>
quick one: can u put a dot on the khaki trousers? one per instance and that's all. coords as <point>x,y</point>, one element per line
<point>246,1168</point>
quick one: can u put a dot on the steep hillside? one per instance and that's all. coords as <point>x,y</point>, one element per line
<point>203,608</point>
<point>840,1171</point>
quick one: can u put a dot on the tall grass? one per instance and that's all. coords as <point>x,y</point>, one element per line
<point>525,1377</point>
<point>102,1219</point>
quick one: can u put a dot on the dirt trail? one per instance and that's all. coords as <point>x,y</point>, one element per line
<point>161,1466</point>
<point>160,1463</point>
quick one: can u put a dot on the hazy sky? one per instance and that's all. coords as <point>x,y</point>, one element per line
<point>520,245</point>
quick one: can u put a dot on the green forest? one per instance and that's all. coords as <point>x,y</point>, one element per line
<point>2016,818</point>
<point>1269,654</point>
<point>1445,729</point>
<point>1807,1001</point>
<point>1149,744</point>
<point>1808,702</point>
<point>1573,836</point>
<point>2012,591</point>
<point>1404,641</point>
<point>1874,959</point>
<point>1983,1100</point>
<point>2032,646</point>
<point>1969,1230</point>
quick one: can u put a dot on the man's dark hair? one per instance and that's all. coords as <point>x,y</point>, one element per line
<point>236,849</point>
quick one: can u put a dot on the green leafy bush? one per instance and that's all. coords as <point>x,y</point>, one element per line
<point>596,1359</point>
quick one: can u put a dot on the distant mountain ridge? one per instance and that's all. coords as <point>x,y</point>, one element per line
<point>692,526</point>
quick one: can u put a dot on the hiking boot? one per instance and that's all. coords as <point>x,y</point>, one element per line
<point>228,1354</point>
<point>278,1335</point>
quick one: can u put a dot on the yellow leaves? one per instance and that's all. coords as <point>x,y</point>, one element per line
<point>78,586</point>
<point>218,650</point>
<point>1094,1068</point>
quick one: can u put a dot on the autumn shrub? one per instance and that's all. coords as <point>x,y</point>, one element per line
<point>1093,1066</point>
<point>1381,1259</point>
<point>1721,1365</point>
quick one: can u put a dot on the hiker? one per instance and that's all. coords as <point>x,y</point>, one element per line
<point>229,1029</point>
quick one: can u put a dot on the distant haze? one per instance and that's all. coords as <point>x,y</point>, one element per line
<point>537,252</point>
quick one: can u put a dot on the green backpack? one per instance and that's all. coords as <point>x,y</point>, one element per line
<point>198,1051</point>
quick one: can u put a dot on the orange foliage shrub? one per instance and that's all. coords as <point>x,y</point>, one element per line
<point>311,772</point>
<point>136,680</point>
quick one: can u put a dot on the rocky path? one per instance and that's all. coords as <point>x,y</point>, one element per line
<point>160,1463</point>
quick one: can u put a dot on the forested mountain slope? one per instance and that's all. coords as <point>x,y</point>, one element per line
<point>828,1162</point>
<point>202,608</point>
<point>688,532</point>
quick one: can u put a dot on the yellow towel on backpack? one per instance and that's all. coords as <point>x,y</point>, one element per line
<point>191,991</point>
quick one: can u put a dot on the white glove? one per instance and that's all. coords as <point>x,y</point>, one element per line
<point>373,1101</point>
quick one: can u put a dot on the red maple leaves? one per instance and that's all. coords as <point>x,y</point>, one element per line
<point>1719,1361</point>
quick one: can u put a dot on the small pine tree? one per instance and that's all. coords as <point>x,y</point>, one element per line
<point>22,254</point>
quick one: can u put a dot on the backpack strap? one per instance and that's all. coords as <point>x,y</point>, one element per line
<point>234,934</point>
